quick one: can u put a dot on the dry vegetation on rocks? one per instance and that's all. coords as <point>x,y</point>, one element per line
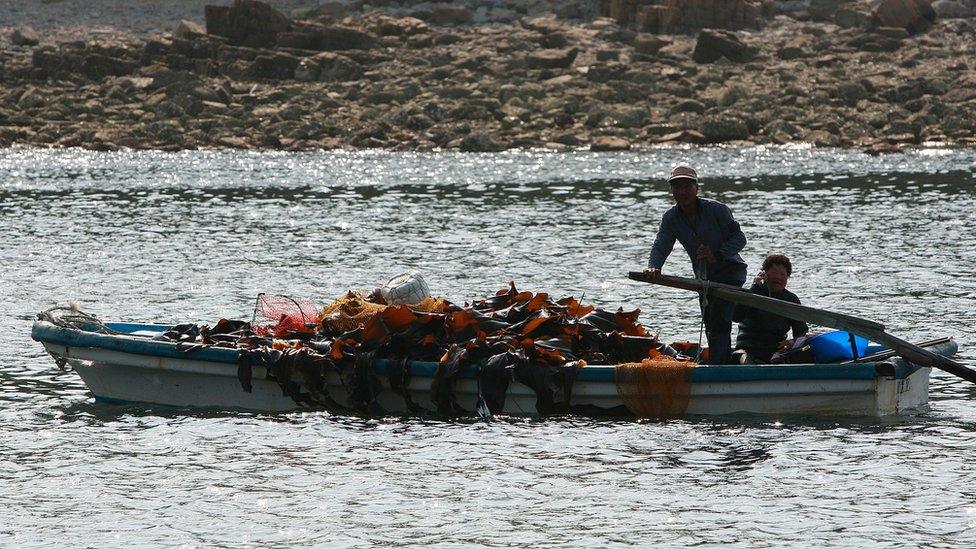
<point>437,77</point>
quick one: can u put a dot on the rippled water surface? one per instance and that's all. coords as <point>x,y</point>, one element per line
<point>195,236</point>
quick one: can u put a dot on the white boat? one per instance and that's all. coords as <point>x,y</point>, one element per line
<point>132,364</point>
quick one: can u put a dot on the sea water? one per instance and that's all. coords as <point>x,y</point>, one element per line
<point>194,236</point>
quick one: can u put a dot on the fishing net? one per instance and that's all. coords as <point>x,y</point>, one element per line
<point>353,310</point>
<point>349,312</point>
<point>280,315</point>
<point>655,387</point>
<point>430,305</point>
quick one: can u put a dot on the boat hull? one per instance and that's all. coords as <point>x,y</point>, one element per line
<point>137,369</point>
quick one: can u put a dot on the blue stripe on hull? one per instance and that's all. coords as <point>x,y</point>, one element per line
<point>592,373</point>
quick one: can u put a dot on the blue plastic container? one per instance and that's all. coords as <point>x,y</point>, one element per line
<point>874,348</point>
<point>836,347</point>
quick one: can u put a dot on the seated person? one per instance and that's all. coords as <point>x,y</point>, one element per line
<point>761,333</point>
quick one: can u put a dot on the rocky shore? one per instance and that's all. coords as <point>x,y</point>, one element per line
<point>607,75</point>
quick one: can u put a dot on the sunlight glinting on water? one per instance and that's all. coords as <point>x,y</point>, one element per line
<point>194,236</point>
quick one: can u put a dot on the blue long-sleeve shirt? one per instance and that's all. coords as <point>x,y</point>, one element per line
<point>714,227</point>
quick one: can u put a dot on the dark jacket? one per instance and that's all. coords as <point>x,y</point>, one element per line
<point>760,332</point>
<point>714,227</point>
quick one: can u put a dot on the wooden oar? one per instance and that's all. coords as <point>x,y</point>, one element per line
<point>860,326</point>
<point>888,353</point>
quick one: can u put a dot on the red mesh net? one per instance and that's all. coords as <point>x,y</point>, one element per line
<point>280,315</point>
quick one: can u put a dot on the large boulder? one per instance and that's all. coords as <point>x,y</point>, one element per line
<point>912,15</point>
<point>714,44</point>
<point>247,23</point>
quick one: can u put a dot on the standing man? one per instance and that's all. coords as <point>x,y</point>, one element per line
<point>713,240</point>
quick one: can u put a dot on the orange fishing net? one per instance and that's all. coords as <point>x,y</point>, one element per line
<point>655,387</point>
<point>430,305</point>
<point>352,310</point>
<point>349,312</point>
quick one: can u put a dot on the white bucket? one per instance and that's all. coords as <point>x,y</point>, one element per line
<point>405,289</point>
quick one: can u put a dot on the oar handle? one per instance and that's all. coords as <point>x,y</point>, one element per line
<point>860,326</point>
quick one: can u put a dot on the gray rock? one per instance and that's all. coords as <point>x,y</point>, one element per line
<point>25,36</point>
<point>948,9</point>
<point>450,14</point>
<point>649,44</point>
<point>188,30</point>
<point>792,52</point>
<point>851,93</point>
<point>418,122</point>
<point>689,105</point>
<point>479,142</point>
<point>606,73</point>
<point>404,26</point>
<point>875,43</point>
<point>543,25</point>
<point>337,38</point>
<point>97,66</point>
<point>849,18</point>
<point>714,44</point>
<point>912,15</point>
<point>307,71</point>
<point>31,99</point>
<point>719,129</point>
<point>279,66</point>
<point>683,136</point>
<point>732,95</point>
<point>568,139</point>
<point>824,10</point>
<point>162,77</point>
<point>305,38</point>
<point>633,118</point>
<point>607,143</point>
<point>334,67</point>
<point>551,59</point>
<point>246,23</point>
<point>897,33</point>
<point>596,115</point>
<point>780,126</point>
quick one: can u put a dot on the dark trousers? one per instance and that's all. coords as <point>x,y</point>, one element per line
<point>717,316</point>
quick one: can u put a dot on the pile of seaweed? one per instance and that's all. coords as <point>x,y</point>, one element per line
<point>513,335</point>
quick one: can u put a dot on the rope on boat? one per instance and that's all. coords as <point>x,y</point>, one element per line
<point>659,387</point>
<point>700,272</point>
<point>72,317</point>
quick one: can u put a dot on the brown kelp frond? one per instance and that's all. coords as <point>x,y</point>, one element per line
<point>514,334</point>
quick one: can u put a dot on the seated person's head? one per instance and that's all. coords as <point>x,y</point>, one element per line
<point>778,270</point>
